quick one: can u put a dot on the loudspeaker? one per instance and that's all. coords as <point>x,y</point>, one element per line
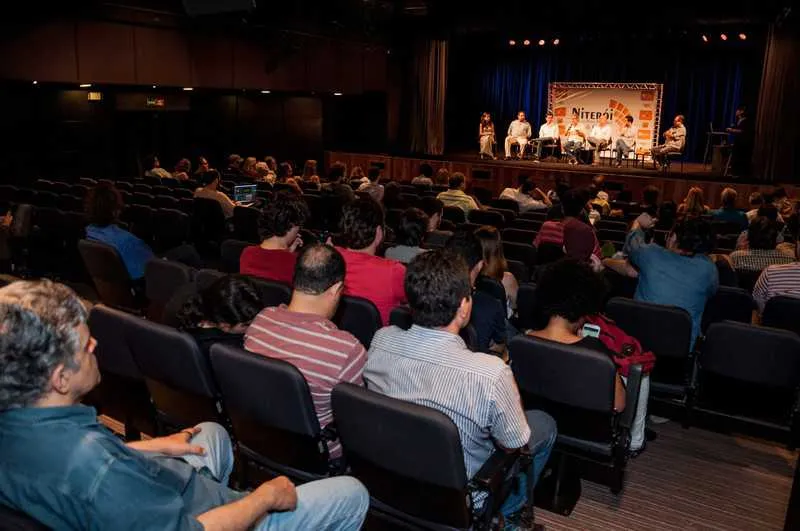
<point>196,8</point>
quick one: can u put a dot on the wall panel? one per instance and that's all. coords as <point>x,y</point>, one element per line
<point>105,53</point>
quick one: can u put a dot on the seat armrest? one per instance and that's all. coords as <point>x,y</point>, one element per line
<point>631,396</point>
<point>329,433</point>
<point>494,471</point>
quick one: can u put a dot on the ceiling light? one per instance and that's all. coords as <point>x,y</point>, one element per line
<point>512,42</point>
<point>35,82</point>
<point>264,92</point>
<point>723,36</point>
<point>154,86</point>
<point>526,42</point>
<point>187,88</point>
<point>704,37</point>
<point>556,42</point>
<point>337,93</point>
<point>742,36</point>
<point>541,42</point>
<point>85,85</point>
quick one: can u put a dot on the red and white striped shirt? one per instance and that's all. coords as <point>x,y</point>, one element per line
<point>777,280</point>
<point>324,354</point>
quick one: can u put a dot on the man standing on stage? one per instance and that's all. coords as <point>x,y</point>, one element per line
<point>548,134</point>
<point>626,141</point>
<point>575,136</point>
<point>600,136</point>
<point>742,147</point>
<point>675,138</point>
<point>518,133</point>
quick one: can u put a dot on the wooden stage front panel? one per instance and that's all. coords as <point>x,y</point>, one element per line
<point>501,174</point>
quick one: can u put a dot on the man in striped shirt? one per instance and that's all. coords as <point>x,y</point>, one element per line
<point>777,280</point>
<point>430,365</point>
<point>303,335</point>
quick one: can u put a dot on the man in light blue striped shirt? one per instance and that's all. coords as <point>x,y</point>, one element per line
<point>430,365</point>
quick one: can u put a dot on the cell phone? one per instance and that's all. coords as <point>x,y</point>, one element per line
<point>590,330</point>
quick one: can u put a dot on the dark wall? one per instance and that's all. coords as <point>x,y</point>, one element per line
<point>57,133</point>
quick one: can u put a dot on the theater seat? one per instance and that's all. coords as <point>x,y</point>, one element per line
<point>109,275</point>
<point>358,316</point>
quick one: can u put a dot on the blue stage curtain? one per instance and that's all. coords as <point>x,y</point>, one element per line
<point>705,85</point>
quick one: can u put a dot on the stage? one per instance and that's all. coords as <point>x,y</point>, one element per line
<point>498,174</point>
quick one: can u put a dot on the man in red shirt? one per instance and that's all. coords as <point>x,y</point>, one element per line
<point>302,333</point>
<point>280,224</point>
<point>371,277</point>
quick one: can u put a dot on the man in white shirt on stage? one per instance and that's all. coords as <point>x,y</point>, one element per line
<point>675,138</point>
<point>575,136</point>
<point>518,133</point>
<point>600,136</point>
<point>548,134</point>
<point>626,141</point>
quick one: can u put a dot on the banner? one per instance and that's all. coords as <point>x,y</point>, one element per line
<point>616,101</point>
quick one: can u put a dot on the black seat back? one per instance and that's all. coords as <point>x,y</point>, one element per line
<point>171,228</point>
<point>529,316</point>
<point>454,214</point>
<point>272,293</point>
<point>782,312</point>
<point>521,252</point>
<point>245,224</point>
<point>486,217</point>
<point>728,304</point>
<point>205,277</point>
<point>408,456</point>
<point>520,270</point>
<point>208,220</point>
<point>519,235</point>
<point>231,252</point>
<point>270,407</point>
<point>109,275</point>
<point>163,278</point>
<point>547,253</point>
<point>506,204</point>
<point>358,316</point>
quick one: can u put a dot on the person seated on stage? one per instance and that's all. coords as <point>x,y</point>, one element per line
<point>548,134</point>
<point>518,133</point>
<point>486,136</point>
<point>97,481</point>
<point>279,227</point>
<point>424,177</point>
<point>456,196</point>
<point>600,136</point>
<point>729,212</point>
<point>626,141</point>
<point>430,364</point>
<point>524,193</point>
<point>693,205</point>
<point>575,136</point>
<point>675,138</point>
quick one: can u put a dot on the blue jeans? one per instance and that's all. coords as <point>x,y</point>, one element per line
<point>339,503</point>
<point>572,148</point>
<point>543,436</point>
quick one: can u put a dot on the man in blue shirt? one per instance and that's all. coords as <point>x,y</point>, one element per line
<point>63,468</point>
<point>729,212</point>
<point>679,275</point>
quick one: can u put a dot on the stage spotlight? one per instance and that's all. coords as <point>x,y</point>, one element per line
<point>187,88</point>
<point>512,42</point>
<point>704,37</point>
<point>155,86</point>
<point>337,93</point>
<point>723,36</point>
<point>264,92</point>
<point>742,36</point>
<point>526,42</point>
<point>35,82</point>
<point>541,42</point>
<point>556,42</point>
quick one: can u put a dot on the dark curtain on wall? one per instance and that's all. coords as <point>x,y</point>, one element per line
<point>776,156</point>
<point>428,97</point>
<point>705,83</point>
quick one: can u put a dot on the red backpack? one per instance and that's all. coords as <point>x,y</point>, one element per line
<point>627,349</point>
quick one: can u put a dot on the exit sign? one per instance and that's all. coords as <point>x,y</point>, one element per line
<point>156,101</point>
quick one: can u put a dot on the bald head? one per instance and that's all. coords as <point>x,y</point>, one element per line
<point>318,268</point>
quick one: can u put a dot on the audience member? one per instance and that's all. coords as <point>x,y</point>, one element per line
<point>679,275</point>
<point>649,202</point>
<point>357,175</point>
<point>371,277</point>
<point>202,165</point>
<point>438,228</point>
<point>182,170</point>
<point>391,196</point>
<point>249,168</point>
<point>569,292</point>
<point>429,364</point>
<point>693,205</point>
<point>777,280</point>
<point>264,173</point>
<point>154,168</point>
<point>233,170</point>
<point>579,244</point>
<point>756,200</point>
<point>337,185</point>
<point>103,207</point>
<point>285,172</point>
<point>424,177</point>
<point>372,187</point>
<point>494,262</point>
<point>761,252</point>
<point>272,164</point>
<point>279,227</point>
<point>573,205</point>
<point>728,212</point>
<point>782,202</point>
<point>455,195</point>
<point>409,236</point>
<point>221,313</point>
<point>209,184</point>
<point>523,195</point>
<point>310,172</point>
<point>302,332</point>
<point>489,316</point>
<point>442,177</point>
<point>94,480</point>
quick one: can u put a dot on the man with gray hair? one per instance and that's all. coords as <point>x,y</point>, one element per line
<point>63,468</point>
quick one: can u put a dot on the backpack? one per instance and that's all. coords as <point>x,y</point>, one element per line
<point>627,349</point>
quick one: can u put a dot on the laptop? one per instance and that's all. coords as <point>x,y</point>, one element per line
<point>244,194</point>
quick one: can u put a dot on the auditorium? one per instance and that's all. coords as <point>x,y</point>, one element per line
<point>400,265</point>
